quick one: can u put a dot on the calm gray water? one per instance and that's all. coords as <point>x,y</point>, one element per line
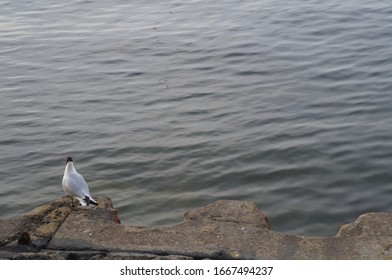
<point>167,106</point>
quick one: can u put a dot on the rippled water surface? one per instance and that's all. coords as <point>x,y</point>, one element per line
<point>167,106</point>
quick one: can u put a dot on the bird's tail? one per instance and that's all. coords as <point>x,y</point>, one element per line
<point>89,200</point>
<point>93,202</point>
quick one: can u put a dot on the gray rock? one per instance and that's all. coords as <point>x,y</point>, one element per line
<point>369,224</point>
<point>221,230</point>
<point>230,211</point>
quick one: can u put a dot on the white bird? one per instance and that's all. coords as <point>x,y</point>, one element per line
<point>74,185</point>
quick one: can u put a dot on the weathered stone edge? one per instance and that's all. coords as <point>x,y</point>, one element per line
<point>221,230</point>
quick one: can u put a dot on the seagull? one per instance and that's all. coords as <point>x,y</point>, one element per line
<point>75,186</point>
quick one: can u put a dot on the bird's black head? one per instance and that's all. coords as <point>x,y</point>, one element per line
<point>67,159</point>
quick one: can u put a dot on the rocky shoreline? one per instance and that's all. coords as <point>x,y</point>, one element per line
<point>222,230</point>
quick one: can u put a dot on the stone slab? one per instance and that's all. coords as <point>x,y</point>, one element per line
<point>221,230</point>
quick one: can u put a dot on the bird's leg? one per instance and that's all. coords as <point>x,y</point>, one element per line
<point>71,201</point>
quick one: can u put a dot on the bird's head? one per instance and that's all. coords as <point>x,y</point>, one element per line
<point>68,159</point>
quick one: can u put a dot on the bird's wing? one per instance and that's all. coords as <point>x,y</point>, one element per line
<point>76,185</point>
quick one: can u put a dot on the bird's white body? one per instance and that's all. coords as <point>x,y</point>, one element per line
<point>75,185</point>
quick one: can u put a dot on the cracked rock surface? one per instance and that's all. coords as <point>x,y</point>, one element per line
<point>224,229</point>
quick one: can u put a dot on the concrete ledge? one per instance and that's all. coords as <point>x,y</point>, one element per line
<point>221,230</point>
